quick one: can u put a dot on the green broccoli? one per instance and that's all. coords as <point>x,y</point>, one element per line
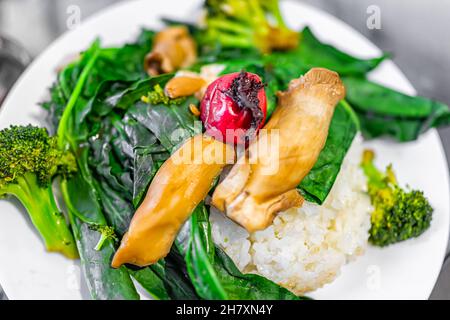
<point>398,215</point>
<point>157,96</point>
<point>106,232</point>
<point>247,24</point>
<point>29,159</point>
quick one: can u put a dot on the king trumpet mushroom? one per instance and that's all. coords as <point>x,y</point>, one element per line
<point>173,48</point>
<point>234,107</point>
<point>178,187</point>
<point>263,182</point>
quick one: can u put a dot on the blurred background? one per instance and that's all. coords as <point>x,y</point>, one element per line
<point>414,31</point>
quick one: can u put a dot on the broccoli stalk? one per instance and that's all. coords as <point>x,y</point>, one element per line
<point>398,215</point>
<point>29,159</point>
<point>106,232</point>
<point>248,24</point>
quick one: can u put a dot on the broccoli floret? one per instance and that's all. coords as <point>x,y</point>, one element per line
<point>248,24</point>
<point>29,159</point>
<point>398,215</point>
<point>106,232</point>
<point>157,96</point>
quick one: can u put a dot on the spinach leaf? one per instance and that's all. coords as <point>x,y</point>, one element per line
<point>200,256</point>
<point>167,279</point>
<point>126,151</point>
<point>104,282</point>
<point>384,111</point>
<point>214,274</point>
<point>151,282</point>
<point>314,53</point>
<point>319,181</point>
<point>80,192</point>
<point>123,63</point>
<point>171,124</point>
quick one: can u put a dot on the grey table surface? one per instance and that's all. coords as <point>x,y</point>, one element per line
<point>414,31</point>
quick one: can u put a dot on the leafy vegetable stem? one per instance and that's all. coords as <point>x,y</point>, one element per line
<point>62,137</point>
<point>198,255</point>
<point>68,202</point>
<point>230,26</point>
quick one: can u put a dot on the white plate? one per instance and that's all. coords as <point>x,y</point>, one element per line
<point>403,271</point>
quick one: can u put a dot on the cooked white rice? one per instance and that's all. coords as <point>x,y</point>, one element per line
<point>305,248</point>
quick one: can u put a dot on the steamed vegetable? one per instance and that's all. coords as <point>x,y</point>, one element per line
<point>312,53</point>
<point>344,126</point>
<point>386,112</point>
<point>247,24</point>
<point>167,279</point>
<point>398,214</point>
<point>214,274</point>
<point>234,107</point>
<point>29,161</point>
<point>80,190</point>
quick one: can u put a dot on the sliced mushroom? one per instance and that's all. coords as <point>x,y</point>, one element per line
<point>173,48</point>
<point>183,86</point>
<point>263,182</point>
<point>179,186</point>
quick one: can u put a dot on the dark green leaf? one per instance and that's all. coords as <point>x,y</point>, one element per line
<point>314,53</point>
<point>151,282</point>
<point>104,282</point>
<point>319,181</point>
<point>171,124</point>
<point>384,111</point>
<point>200,257</point>
<point>214,274</point>
<point>167,279</point>
<point>80,191</point>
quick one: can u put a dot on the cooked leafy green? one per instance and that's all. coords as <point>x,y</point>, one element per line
<point>123,63</point>
<point>384,111</point>
<point>167,279</point>
<point>312,53</point>
<point>80,191</point>
<point>214,274</point>
<point>171,124</point>
<point>319,181</point>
